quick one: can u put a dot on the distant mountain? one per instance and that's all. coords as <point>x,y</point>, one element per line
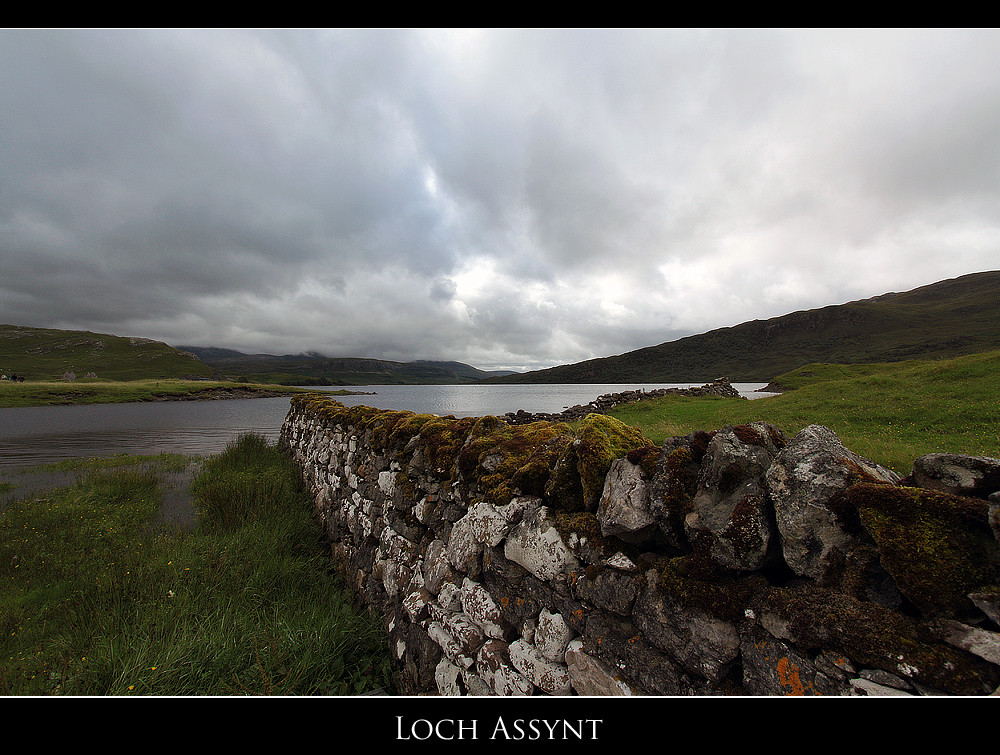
<point>941,320</point>
<point>50,354</point>
<point>315,369</point>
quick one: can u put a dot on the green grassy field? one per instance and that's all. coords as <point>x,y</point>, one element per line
<point>97,598</point>
<point>889,413</point>
<point>90,391</point>
<point>48,354</point>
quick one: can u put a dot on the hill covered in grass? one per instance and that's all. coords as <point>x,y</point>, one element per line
<point>316,369</point>
<point>45,354</point>
<point>890,413</point>
<point>942,320</point>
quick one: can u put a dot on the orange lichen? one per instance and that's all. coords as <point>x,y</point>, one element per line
<point>788,677</point>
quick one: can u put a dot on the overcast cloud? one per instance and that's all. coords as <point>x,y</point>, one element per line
<point>506,198</point>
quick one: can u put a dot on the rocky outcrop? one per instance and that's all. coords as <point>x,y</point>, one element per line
<point>550,559</point>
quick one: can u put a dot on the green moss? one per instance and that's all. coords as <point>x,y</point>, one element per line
<point>565,464</point>
<point>397,433</point>
<point>602,439</point>
<point>678,485</point>
<point>646,458</point>
<point>699,582</point>
<point>581,523</point>
<point>564,489</point>
<point>442,438</point>
<point>937,547</point>
<point>520,458</point>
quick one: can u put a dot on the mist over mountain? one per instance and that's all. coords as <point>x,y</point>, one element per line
<point>313,368</point>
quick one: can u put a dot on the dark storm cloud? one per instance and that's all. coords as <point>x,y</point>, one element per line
<point>503,197</point>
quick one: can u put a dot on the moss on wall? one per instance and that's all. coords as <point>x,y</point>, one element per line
<point>937,547</point>
<point>561,462</point>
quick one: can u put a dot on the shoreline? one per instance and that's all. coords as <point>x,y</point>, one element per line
<point>36,394</point>
<point>608,401</point>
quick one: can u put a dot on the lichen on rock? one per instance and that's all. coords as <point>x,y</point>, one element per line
<point>576,557</point>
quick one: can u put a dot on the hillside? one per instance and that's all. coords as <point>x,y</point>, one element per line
<point>42,354</point>
<point>890,412</point>
<point>316,369</point>
<point>941,320</point>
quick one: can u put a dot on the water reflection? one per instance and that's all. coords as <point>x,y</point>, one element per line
<point>36,435</point>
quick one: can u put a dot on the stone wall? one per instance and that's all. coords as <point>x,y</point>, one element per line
<point>579,559</point>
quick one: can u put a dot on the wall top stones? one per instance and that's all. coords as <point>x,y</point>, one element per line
<point>569,558</point>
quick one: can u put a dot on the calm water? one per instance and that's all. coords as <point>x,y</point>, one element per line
<point>34,435</point>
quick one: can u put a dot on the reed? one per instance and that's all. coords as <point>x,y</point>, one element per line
<point>96,598</point>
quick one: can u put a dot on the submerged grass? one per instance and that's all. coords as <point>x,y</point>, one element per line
<point>890,413</point>
<point>95,599</point>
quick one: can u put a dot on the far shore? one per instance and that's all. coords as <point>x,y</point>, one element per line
<point>62,393</point>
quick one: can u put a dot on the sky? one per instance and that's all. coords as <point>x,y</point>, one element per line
<point>508,198</point>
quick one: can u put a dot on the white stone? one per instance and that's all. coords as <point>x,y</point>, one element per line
<point>867,688</point>
<point>416,602</point>
<point>387,483</point>
<point>624,506</point>
<point>490,524</point>
<point>450,597</point>
<point>552,636</point>
<point>480,607</point>
<point>446,675</point>
<point>974,640</point>
<point>435,566</point>
<point>536,545</point>
<point>621,561</point>
<point>493,666</point>
<point>552,678</point>
<point>463,549</point>
<point>458,638</point>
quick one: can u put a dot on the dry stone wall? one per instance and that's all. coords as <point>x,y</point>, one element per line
<point>580,559</point>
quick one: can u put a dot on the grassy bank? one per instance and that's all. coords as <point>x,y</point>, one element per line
<point>89,391</point>
<point>890,413</point>
<point>98,598</point>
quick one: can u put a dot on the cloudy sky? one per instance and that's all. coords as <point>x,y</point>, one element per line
<point>506,198</point>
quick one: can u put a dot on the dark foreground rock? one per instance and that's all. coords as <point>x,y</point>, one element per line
<point>549,559</point>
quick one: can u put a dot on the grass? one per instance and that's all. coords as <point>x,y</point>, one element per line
<point>90,391</point>
<point>96,599</point>
<point>47,354</point>
<point>165,462</point>
<point>890,413</point>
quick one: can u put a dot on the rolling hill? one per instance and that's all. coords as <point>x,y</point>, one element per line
<point>938,321</point>
<point>47,354</point>
<point>316,369</point>
<point>941,320</point>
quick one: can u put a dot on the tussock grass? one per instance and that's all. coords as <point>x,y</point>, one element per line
<point>95,601</point>
<point>890,413</point>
